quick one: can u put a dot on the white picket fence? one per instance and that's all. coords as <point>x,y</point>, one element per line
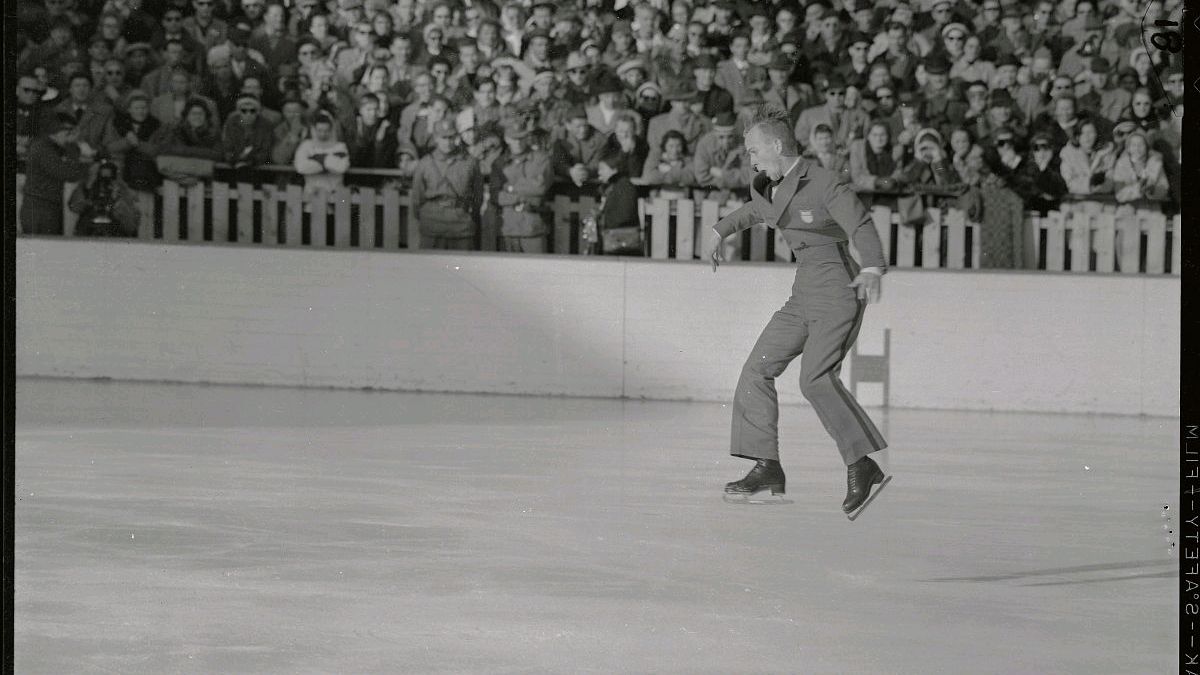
<point>1082,237</point>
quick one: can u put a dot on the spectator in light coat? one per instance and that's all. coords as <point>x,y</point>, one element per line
<point>322,159</point>
<point>1085,164</point>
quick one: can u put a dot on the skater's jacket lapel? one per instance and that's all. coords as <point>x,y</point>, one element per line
<point>773,209</point>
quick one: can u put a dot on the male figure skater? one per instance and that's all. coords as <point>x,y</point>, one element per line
<point>817,215</point>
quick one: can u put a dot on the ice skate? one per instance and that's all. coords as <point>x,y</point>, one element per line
<point>766,474</point>
<point>861,476</point>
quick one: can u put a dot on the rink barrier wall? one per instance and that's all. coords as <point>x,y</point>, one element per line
<point>1083,236</point>
<point>583,326</point>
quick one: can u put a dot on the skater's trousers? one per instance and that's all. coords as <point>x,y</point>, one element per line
<point>818,323</point>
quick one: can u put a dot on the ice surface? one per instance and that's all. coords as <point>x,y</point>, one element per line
<point>203,529</point>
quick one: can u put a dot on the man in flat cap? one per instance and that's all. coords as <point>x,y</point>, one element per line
<point>521,182</point>
<point>818,216</point>
<point>447,192</point>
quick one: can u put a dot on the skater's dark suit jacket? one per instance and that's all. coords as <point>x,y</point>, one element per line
<point>812,207</point>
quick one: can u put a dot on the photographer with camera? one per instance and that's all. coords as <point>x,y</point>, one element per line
<point>105,204</point>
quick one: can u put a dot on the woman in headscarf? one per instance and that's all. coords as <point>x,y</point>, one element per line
<point>1138,173</point>
<point>874,161</point>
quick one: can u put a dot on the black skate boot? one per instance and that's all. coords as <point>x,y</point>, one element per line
<point>861,476</point>
<point>767,474</point>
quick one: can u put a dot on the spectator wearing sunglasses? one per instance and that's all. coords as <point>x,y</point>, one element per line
<point>247,137</point>
<point>1039,180</point>
<point>845,123</point>
<point>28,109</point>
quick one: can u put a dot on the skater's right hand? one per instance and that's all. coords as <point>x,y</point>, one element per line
<point>715,249</point>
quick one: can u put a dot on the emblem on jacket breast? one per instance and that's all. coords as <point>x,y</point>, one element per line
<point>806,216</point>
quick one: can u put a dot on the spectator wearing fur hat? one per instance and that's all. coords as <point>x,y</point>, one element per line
<point>247,137</point>
<point>131,140</point>
<point>648,102</point>
<point>576,154</point>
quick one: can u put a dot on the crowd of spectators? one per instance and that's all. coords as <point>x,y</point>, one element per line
<point>928,97</point>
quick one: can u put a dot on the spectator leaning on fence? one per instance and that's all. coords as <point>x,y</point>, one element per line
<point>321,158</point>
<point>988,74</point>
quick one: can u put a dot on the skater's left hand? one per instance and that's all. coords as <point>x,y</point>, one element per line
<point>867,286</point>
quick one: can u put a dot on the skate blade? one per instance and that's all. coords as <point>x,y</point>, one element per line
<point>773,500</point>
<point>853,515</point>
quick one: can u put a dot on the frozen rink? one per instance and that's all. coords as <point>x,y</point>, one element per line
<point>210,529</point>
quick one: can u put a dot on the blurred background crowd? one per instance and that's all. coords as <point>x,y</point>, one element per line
<point>476,105</point>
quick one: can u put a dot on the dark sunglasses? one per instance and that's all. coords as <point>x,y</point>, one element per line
<point>114,72</point>
<point>248,111</point>
<point>835,92</point>
<point>1001,142</point>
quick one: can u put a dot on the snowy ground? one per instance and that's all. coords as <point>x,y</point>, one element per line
<point>203,529</point>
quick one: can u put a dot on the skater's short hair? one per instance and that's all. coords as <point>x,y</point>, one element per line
<point>774,123</point>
